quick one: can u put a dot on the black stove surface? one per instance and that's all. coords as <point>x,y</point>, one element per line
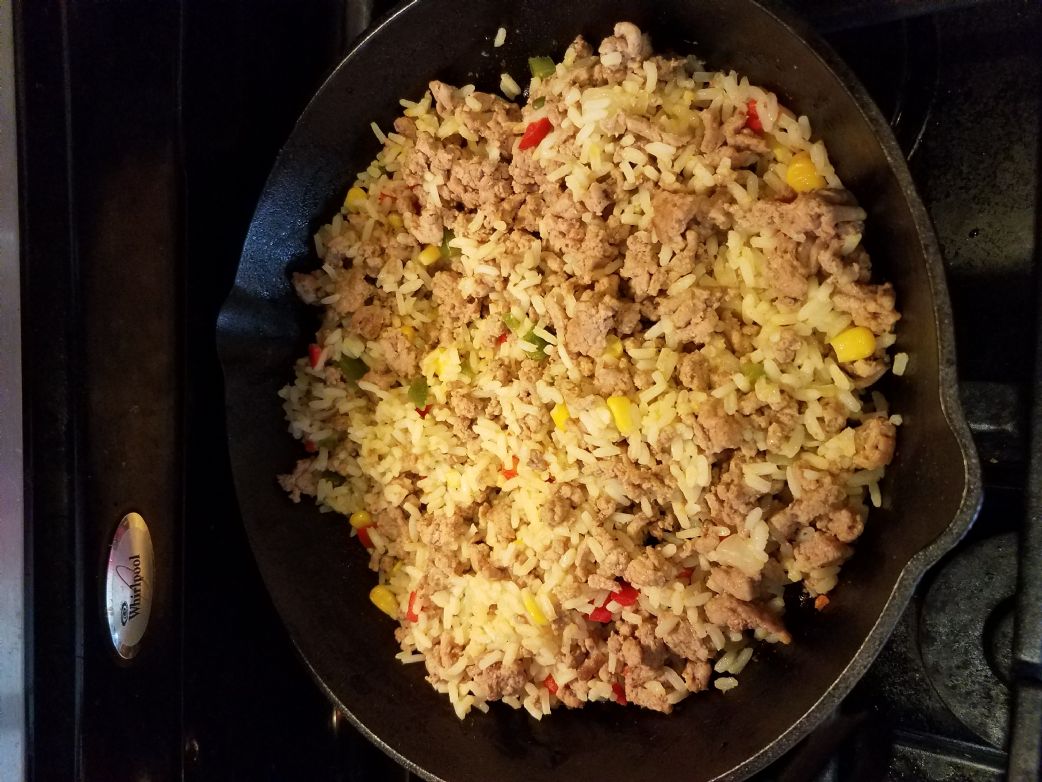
<point>962,90</point>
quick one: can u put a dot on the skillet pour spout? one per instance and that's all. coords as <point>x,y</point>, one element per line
<point>320,583</point>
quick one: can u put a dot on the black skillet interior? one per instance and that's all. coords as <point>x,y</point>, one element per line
<point>318,578</point>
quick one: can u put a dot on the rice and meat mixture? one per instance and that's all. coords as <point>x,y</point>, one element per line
<point>591,380</point>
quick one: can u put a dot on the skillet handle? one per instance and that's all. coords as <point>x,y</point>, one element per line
<point>358,14</point>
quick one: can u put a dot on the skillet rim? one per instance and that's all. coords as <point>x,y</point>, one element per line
<point>948,399</point>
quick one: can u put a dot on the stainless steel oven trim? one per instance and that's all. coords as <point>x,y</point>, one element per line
<point>12,487</point>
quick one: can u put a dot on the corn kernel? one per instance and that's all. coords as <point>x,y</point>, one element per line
<point>622,413</point>
<point>533,609</point>
<point>853,344</point>
<point>802,176</point>
<point>408,331</point>
<point>360,519</point>
<point>429,254</point>
<point>560,414</point>
<point>614,348</point>
<point>395,220</point>
<point>384,599</point>
<point>356,198</point>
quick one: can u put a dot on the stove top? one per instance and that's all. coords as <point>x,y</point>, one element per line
<point>955,694</point>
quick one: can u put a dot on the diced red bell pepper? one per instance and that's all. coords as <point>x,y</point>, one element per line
<point>411,614</point>
<point>423,412</point>
<point>534,133</point>
<point>550,684</point>
<point>502,337</point>
<point>310,447</point>
<point>314,353</point>
<point>511,472</point>
<point>363,535</point>
<point>600,614</point>
<point>752,119</point>
<point>625,595</point>
<point>620,693</point>
<point>685,574</point>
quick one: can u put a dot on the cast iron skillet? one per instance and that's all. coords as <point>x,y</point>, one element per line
<point>318,577</point>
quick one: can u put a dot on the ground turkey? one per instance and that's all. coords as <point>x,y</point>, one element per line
<point>738,615</point>
<point>874,443</point>
<point>819,497</point>
<point>683,642</point>
<point>497,680</point>
<point>368,321</point>
<point>454,308</point>
<point>641,267</point>
<point>719,431</point>
<point>789,273</point>
<point>400,355</point>
<point>671,215</point>
<point>693,371</point>
<point>628,41</point>
<point>733,582</point>
<point>650,569</point>
<point>635,677</point>
<point>696,675</point>
<point>299,482</point>
<point>815,549</point>
<point>871,306</point>
<point>692,314</point>
<point>587,332</point>
<point>352,291</point>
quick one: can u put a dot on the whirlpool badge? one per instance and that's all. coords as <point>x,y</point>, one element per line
<point>128,587</point>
